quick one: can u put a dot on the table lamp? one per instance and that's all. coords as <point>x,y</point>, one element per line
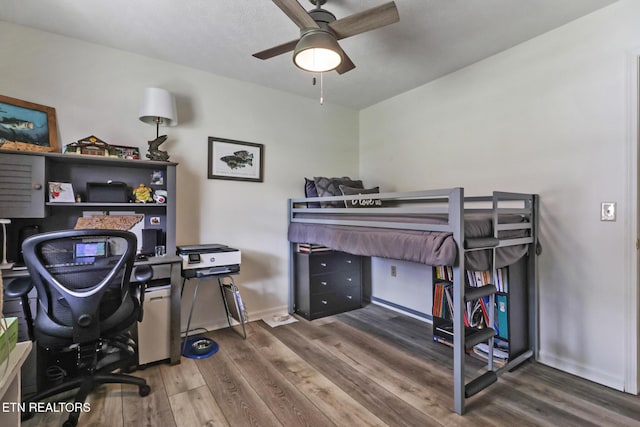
<point>158,107</point>
<point>5,265</point>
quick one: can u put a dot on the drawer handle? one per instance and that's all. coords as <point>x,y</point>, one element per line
<point>323,264</point>
<point>323,283</point>
<point>324,302</point>
<point>349,279</point>
<point>37,186</point>
<point>349,297</point>
<point>348,261</point>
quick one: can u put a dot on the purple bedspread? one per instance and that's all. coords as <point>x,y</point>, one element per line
<point>426,247</point>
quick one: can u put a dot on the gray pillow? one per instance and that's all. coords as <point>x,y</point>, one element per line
<point>310,191</point>
<point>361,203</point>
<point>327,187</point>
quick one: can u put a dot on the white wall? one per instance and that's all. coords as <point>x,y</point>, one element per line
<point>550,116</point>
<point>409,291</point>
<point>96,91</point>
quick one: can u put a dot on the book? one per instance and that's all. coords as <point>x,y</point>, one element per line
<point>503,319</point>
<point>497,353</point>
<point>308,248</point>
<point>8,336</point>
<point>481,351</point>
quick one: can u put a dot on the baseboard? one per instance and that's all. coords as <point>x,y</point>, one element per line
<point>427,318</point>
<point>582,371</point>
<point>252,316</point>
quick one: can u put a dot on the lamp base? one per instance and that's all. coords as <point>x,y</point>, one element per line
<point>6,265</point>
<point>156,154</point>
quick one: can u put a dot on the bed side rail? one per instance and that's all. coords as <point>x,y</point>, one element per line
<point>441,202</point>
<point>416,203</point>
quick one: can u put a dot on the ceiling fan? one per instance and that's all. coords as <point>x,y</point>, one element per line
<point>317,49</point>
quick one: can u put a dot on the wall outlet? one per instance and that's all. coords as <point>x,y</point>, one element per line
<point>394,271</point>
<point>608,211</point>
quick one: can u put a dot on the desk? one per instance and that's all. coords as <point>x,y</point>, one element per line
<point>174,262</point>
<point>10,383</point>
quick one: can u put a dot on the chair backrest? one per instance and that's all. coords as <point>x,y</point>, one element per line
<point>82,279</point>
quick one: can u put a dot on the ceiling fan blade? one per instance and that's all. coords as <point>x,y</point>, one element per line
<point>346,64</point>
<point>364,21</point>
<point>296,13</point>
<point>277,50</point>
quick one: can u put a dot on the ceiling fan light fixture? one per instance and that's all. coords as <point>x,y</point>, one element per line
<point>317,51</point>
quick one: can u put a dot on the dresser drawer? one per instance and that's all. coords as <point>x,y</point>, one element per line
<point>332,262</point>
<point>332,302</point>
<point>333,282</point>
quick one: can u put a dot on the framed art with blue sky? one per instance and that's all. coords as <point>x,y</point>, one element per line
<point>26,126</point>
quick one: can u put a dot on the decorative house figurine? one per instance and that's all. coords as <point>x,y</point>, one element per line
<point>94,146</point>
<point>91,146</point>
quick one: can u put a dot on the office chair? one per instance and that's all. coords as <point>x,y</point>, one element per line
<point>86,304</point>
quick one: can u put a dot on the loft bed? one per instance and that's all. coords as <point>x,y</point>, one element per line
<point>433,227</point>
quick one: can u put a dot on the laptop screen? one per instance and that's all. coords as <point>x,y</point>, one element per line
<point>90,249</point>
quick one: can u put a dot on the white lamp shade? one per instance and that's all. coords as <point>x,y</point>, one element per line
<point>158,104</point>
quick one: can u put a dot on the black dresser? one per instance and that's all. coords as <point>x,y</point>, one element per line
<point>326,283</point>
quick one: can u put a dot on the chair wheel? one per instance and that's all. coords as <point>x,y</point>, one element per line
<point>144,390</point>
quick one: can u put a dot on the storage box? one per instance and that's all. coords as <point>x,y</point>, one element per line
<point>107,192</point>
<point>8,329</point>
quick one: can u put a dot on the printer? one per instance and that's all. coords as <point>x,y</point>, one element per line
<point>208,260</point>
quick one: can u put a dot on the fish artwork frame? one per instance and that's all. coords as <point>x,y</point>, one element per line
<point>235,160</point>
<point>26,126</point>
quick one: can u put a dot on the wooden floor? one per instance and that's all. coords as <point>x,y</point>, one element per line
<point>367,367</point>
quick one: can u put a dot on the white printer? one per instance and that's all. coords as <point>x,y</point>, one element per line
<point>208,260</point>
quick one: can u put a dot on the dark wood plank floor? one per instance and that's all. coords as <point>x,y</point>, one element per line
<point>367,367</point>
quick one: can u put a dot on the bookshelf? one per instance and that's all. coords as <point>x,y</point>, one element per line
<point>511,318</point>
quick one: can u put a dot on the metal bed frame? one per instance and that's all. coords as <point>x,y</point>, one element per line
<point>454,204</point>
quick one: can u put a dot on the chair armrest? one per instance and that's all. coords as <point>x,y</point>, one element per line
<point>142,274</point>
<point>18,287</point>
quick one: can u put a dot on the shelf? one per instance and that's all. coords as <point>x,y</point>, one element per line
<point>97,160</point>
<point>106,205</point>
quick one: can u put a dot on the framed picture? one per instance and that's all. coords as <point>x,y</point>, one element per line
<point>235,160</point>
<point>26,126</point>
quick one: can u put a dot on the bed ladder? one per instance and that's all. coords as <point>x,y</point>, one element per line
<point>472,336</point>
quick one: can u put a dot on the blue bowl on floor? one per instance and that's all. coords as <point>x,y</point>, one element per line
<point>199,348</point>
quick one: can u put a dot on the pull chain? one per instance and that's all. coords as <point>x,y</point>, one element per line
<point>313,81</point>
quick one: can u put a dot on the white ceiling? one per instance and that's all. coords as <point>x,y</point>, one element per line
<point>433,37</point>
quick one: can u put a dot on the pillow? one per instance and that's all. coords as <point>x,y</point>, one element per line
<point>327,187</point>
<point>361,203</point>
<point>311,191</point>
